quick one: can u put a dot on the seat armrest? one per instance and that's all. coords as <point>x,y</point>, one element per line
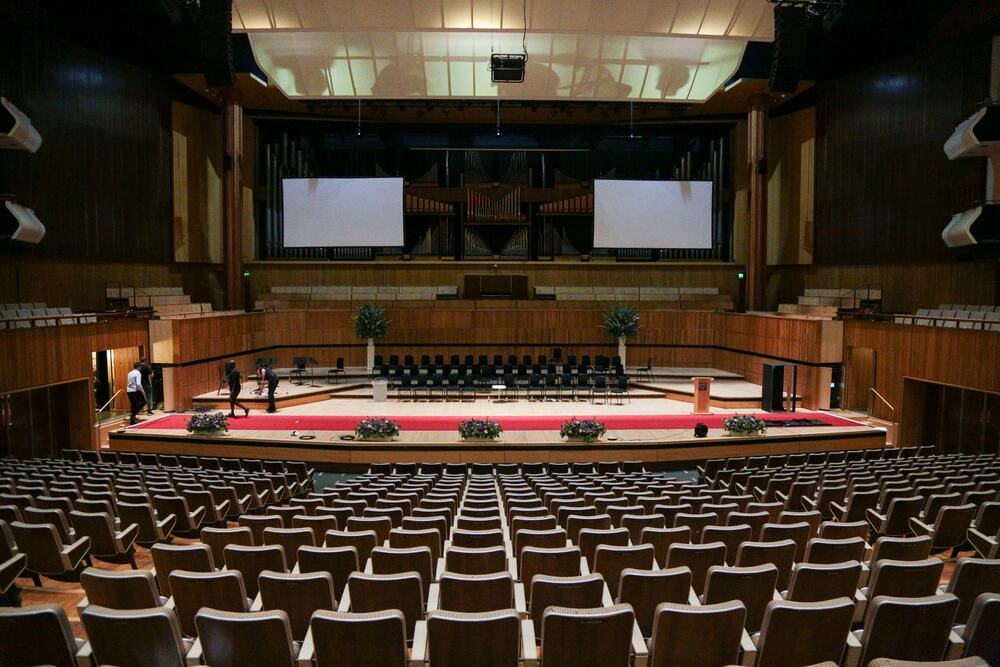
<point>919,527</point>
<point>169,519</point>
<point>82,604</point>
<point>439,570</point>
<point>956,645</point>
<point>170,603</point>
<point>85,656</point>
<point>222,508</point>
<point>306,653</point>
<point>853,649</point>
<point>126,538</point>
<point>195,653</point>
<point>520,601</point>
<point>840,509</point>
<point>345,600</point>
<point>258,603</point>
<point>639,648</point>
<point>418,656</point>
<point>776,595</point>
<point>368,566</point>
<point>584,568</point>
<point>433,596</point>
<point>693,598</point>
<point>606,598</point>
<point>860,606</point>
<point>77,551</point>
<point>748,650</point>
<point>529,650</point>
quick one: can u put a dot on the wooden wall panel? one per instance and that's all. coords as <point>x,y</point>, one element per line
<point>791,180</point>
<point>197,184</point>
<point>958,357</point>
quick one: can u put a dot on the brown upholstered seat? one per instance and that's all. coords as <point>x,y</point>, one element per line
<point>475,561</point>
<point>474,593</point>
<point>971,578</point>
<point>589,539</point>
<point>191,591</point>
<point>948,530</point>
<point>218,538</point>
<point>497,638</point>
<point>698,558</point>
<point>299,595</point>
<point>37,635</point>
<point>579,592</point>
<point>803,633</point>
<point>378,592</point>
<point>386,560</point>
<point>170,557</point>
<point>290,539</point>
<point>257,523</point>
<point>563,562</point>
<point>347,639</point>
<point>662,538</point>
<point>821,550</point>
<point>362,541</point>
<point>597,637</point>
<point>402,538</point>
<point>610,561</point>
<point>646,589</point>
<point>153,527</point>
<point>338,562</point>
<point>814,582</point>
<point>731,536</point>
<point>907,628</point>
<point>134,637</point>
<point>753,586</point>
<point>980,632</point>
<point>235,639</point>
<point>799,533</point>
<point>120,589</point>
<point>46,553</point>
<point>718,627</point>
<point>188,520</point>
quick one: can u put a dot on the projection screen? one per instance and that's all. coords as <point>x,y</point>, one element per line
<point>652,214</point>
<point>330,212</point>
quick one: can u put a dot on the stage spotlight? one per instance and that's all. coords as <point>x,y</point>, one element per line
<point>507,67</point>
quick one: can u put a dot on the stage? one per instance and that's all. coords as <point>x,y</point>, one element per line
<point>658,432</point>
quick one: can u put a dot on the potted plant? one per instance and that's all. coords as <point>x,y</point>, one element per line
<point>208,423</point>
<point>479,429</point>
<point>587,430</point>
<point>744,425</point>
<point>371,324</point>
<point>622,322</point>
<point>376,428</point>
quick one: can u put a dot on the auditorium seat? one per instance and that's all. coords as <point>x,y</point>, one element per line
<point>815,582</point>
<point>106,543</point>
<point>980,632</point>
<point>290,539</point>
<point>718,627</point>
<point>37,635</point>
<point>905,629</point>
<point>46,554</point>
<point>595,637</point>
<point>344,639</point>
<point>251,561</point>
<point>462,560</point>
<point>475,593</point>
<point>662,538</point>
<point>949,528</point>
<point>820,550</point>
<point>731,536</point>
<point>381,592</point>
<point>218,538</point>
<point>299,595</point>
<point>191,591</point>
<point>258,524</point>
<point>804,633</point>
<point>187,521</point>
<point>213,514</point>
<point>188,557</point>
<point>611,560</point>
<point>235,639</point>
<point>895,520</point>
<point>120,589</point>
<point>498,639</point>
<point>699,558</point>
<point>139,637</point>
<point>363,542</point>
<point>557,562</point>
<point>971,578</point>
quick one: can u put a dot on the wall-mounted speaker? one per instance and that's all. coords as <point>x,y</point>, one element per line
<point>16,130</point>
<point>791,34</point>
<point>19,223</point>
<point>215,25</point>
<point>976,136</point>
<point>977,226</point>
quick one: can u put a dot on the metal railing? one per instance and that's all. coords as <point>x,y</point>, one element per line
<point>871,407</point>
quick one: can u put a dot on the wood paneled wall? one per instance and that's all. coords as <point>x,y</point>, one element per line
<point>791,181</point>
<point>197,184</point>
<point>267,274</point>
<point>905,287</point>
<point>80,284</point>
<point>958,357</point>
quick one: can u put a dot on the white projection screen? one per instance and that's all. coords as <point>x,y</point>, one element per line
<point>652,214</point>
<point>348,212</point>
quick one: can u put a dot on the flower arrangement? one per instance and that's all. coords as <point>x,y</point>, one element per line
<point>371,323</point>
<point>479,429</point>
<point>744,424</point>
<point>208,422</point>
<point>376,428</point>
<point>587,430</point>
<point>621,321</point>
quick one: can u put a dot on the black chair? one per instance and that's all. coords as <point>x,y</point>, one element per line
<point>439,360</point>
<point>571,360</point>
<point>498,360</point>
<point>551,387</point>
<point>536,387</point>
<point>620,389</point>
<point>408,360</point>
<point>511,386</point>
<point>567,387</point>
<point>543,360</point>
<point>647,370</point>
<point>425,360</point>
<point>405,386</point>
<point>557,354</point>
<point>512,359</point>
<point>394,360</point>
<point>469,360</point>
<point>484,360</point>
<point>526,360</point>
<point>378,360</point>
<point>455,360</point>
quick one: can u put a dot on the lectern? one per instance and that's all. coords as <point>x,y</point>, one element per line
<point>702,400</point>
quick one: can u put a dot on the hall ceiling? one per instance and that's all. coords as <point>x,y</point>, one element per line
<point>600,50</point>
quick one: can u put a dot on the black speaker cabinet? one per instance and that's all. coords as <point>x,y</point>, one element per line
<point>773,388</point>
<point>791,34</point>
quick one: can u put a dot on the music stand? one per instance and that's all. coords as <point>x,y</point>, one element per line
<point>302,366</point>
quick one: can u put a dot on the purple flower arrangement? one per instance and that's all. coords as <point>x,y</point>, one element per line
<point>479,429</point>
<point>587,430</point>
<point>744,424</point>
<point>208,422</point>
<point>376,428</point>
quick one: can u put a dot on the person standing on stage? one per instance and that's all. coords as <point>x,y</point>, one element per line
<point>272,384</point>
<point>136,394</point>
<point>234,389</point>
<point>147,384</point>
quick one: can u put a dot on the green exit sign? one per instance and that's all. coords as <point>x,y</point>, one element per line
<point>246,274</point>
<point>741,275</point>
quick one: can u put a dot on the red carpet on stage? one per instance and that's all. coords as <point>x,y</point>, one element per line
<point>510,423</point>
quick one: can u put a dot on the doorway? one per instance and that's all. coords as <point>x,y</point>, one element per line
<point>859,380</point>
<point>954,419</point>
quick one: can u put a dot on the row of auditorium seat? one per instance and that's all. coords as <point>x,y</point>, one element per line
<point>566,540</point>
<point>27,315</point>
<point>951,316</point>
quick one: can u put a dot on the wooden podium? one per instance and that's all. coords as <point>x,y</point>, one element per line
<point>702,400</point>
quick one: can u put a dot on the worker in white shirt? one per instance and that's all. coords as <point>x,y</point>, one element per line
<point>134,391</point>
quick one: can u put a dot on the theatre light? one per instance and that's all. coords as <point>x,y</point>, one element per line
<point>507,67</point>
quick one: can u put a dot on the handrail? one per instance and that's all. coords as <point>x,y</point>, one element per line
<point>101,409</point>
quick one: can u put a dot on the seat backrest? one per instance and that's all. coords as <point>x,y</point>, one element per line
<point>718,627</point>
<point>646,589</point>
<point>697,557</point>
<point>609,561</point>
<point>799,533</point>
<point>563,562</point>
<point>596,637</point>
<point>188,557</point>
<point>579,592</point>
<point>804,633</point>
<point>218,590</point>
<point>251,561</point>
<point>299,595</point>
<point>820,550</point>
<point>908,628</point>
<point>753,586</point>
<point>55,517</point>
<point>99,527</point>
<point>234,639</point>
<point>814,582</point>
<point>377,592</point>
<point>362,541</point>
<point>218,538</point>
<point>474,593</point>
<point>348,639</point>
<point>901,548</point>
<point>731,536</point>
<point>981,630</point>
<point>338,562</point>
<point>971,578</point>
<point>36,635</point>
<point>662,538</point>
<point>131,637</point>
<point>290,539</point>
<point>952,523</point>
<point>140,514</point>
<point>120,589</point>
<point>496,643</point>
<point>589,539</point>
<point>475,561</point>
<point>41,543</point>
<point>386,560</point>
<point>905,578</point>
<point>549,538</point>
<point>403,538</point>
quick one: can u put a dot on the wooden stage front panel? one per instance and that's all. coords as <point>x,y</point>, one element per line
<point>514,447</point>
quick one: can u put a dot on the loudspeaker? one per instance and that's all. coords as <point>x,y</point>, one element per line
<point>773,388</point>
<point>215,31</point>
<point>791,33</point>
<point>700,430</point>
<point>16,130</point>
<point>19,223</point>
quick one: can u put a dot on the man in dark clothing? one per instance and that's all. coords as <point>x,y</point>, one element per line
<point>135,393</point>
<point>233,377</point>
<point>146,374</point>
<point>272,384</point>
